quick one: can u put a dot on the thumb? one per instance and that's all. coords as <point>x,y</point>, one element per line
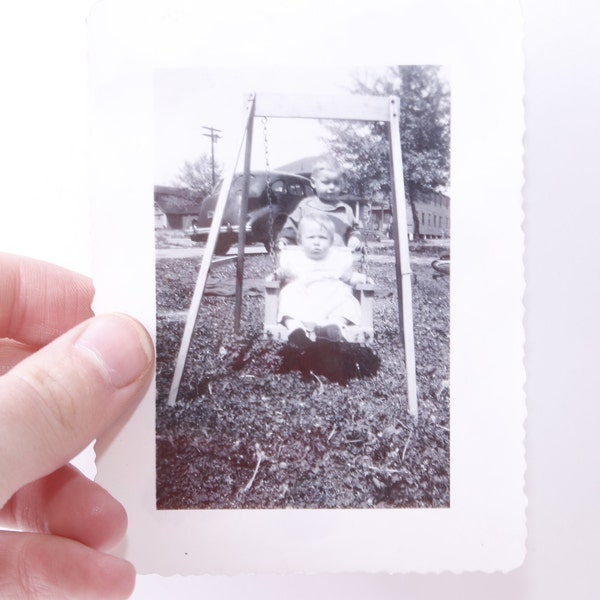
<point>54,403</point>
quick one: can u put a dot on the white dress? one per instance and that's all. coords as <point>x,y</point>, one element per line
<point>317,292</point>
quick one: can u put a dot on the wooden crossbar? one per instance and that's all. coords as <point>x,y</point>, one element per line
<point>313,106</point>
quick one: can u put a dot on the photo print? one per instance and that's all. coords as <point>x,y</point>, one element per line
<point>333,398</point>
<point>302,401</point>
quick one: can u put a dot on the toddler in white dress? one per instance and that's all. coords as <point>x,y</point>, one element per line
<point>317,297</point>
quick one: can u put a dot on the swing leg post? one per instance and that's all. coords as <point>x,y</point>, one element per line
<point>403,270</point>
<point>239,273</point>
<point>211,243</point>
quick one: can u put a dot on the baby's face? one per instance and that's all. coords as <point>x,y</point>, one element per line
<point>327,185</point>
<point>314,240</point>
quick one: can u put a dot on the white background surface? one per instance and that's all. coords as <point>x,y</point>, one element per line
<point>45,214</point>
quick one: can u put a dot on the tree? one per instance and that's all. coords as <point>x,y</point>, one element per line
<point>424,133</point>
<point>197,176</point>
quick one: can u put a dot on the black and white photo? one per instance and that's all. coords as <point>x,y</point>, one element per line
<point>307,409</point>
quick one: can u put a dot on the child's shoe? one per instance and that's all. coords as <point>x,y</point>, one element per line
<point>299,339</point>
<point>331,333</point>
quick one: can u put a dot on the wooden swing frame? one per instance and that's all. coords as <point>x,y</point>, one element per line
<point>351,107</point>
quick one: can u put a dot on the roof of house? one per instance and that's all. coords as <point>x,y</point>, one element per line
<point>176,201</point>
<point>165,190</point>
<point>430,196</point>
<point>302,166</point>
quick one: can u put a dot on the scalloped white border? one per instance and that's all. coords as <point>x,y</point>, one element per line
<point>481,42</point>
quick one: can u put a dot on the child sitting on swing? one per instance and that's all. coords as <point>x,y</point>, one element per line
<point>317,302</point>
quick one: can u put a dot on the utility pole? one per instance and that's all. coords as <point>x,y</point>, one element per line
<point>214,136</point>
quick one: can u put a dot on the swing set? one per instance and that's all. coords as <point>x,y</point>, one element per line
<point>359,108</point>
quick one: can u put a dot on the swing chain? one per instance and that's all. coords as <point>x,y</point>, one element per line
<point>269,195</point>
<point>364,255</point>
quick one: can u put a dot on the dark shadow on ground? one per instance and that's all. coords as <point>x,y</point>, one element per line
<point>338,362</point>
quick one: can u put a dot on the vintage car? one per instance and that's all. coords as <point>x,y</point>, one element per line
<point>287,190</point>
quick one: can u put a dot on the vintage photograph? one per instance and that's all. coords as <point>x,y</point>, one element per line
<point>302,385</point>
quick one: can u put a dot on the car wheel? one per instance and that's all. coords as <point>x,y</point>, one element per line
<point>223,245</point>
<point>272,237</point>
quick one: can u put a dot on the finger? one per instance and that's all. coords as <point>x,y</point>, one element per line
<point>45,566</point>
<point>40,301</point>
<point>67,504</point>
<point>54,403</point>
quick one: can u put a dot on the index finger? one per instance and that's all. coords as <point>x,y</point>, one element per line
<point>40,301</point>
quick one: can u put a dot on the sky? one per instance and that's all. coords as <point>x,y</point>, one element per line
<point>186,100</point>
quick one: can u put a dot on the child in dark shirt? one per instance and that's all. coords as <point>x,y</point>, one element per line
<point>326,178</point>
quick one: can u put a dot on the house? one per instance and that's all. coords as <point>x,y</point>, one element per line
<point>433,213</point>
<point>174,208</point>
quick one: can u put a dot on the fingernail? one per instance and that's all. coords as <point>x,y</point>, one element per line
<point>120,345</point>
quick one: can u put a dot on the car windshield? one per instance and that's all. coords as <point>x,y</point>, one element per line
<point>296,189</point>
<point>279,185</point>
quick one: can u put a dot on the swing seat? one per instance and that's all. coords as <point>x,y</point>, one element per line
<point>356,334</point>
